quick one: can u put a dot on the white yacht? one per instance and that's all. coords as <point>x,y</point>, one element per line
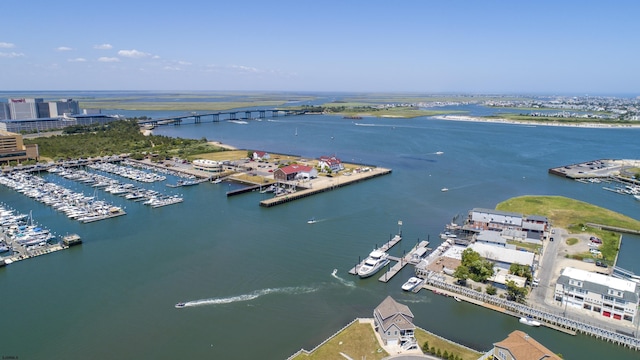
<point>375,261</point>
<point>529,321</point>
<point>412,283</point>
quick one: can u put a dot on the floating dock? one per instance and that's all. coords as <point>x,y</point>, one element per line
<point>385,247</point>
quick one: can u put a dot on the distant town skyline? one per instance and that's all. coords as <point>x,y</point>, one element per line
<point>351,46</point>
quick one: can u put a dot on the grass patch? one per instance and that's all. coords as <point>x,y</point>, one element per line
<point>572,241</point>
<point>534,248</point>
<point>445,345</point>
<point>358,341</point>
<point>572,214</point>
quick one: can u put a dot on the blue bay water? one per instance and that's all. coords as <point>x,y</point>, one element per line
<point>258,280</point>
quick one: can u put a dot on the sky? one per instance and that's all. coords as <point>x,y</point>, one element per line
<point>447,46</point>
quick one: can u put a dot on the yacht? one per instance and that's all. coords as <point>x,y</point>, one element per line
<point>529,321</point>
<point>375,261</point>
<point>412,283</point>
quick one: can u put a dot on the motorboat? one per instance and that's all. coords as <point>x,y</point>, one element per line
<point>444,189</point>
<point>312,221</point>
<point>439,152</point>
<point>529,321</point>
<point>180,305</point>
<point>375,261</point>
<point>457,299</point>
<point>217,181</point>
<point>412,283</point>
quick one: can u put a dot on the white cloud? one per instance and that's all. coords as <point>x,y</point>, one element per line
<point>77,60</point>
<point>132,53</point>
<point>103,46</point>
<point>64,48</point>
<point>184,62</point>
<point>155,57</point>
<point>11,54</point>
<point>172,68</point>
<point>245,69</point>
<point>6,45</point>
<point>108,59</point>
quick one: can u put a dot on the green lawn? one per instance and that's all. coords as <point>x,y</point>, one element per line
<point>572,215</point>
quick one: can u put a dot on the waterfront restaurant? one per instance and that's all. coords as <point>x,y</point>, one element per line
<point>207,165</point>
<point>611,297</point>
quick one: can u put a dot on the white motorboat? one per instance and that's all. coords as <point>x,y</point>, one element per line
<point>529,321</point>
<point>444,189</point>
<point>375,261</point>
<point>312,221</point>
<point>412,283</point>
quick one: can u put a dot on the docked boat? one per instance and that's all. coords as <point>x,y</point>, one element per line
<point>217,181</point>
<point>375,261</point>
<point>180,305</point>
<point>529,321</point>
<point>412,283</point>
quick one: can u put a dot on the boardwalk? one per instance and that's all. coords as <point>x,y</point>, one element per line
<point>548,319</point>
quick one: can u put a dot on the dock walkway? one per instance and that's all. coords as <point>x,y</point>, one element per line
<point>385,247</point>
<point>546,318</point>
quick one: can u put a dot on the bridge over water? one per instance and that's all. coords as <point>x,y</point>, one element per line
<point>221,116</point>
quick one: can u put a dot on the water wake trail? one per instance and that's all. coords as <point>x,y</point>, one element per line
<point>251,296</point>
<point>334,273</point>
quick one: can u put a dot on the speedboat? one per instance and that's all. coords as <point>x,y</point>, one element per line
<point>444,189</point>
<point>529,321</point>
<point>412,283</point>
<point>439,152</point>
<point>375,261</point>
<point>312,221</point>
<point>180,305</point>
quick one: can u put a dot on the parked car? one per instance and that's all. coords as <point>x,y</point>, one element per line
<point>601,264</point>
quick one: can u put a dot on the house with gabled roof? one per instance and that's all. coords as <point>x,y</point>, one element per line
<point>261,155</point>
<point>295,172</point>
<point>394,323</point>
<point>330,162</point>
<point>520,346</point>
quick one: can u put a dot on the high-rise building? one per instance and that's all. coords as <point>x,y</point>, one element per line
<point>24,108</point>
<point>4,111</point>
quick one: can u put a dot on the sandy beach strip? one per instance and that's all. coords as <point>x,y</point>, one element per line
<point>533,122</point>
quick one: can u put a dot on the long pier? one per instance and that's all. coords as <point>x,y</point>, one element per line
<point>344,181</point>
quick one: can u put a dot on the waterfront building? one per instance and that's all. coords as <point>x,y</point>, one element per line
<point>491,238</point>
<point>260,155</point>
<point>12,148</point>
<point>207,165</point>
<point>520,346</point>
<point>394,323</point>
<point>330,162</point>
<point>609,296</point>
<point>503,257</point>
<point>294,172</point>
<point>511,225</point>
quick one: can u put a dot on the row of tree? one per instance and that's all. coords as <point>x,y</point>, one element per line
<point>118,137</point>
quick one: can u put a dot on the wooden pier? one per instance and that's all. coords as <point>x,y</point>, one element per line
<point>409,258</point>
<point>385,247</point>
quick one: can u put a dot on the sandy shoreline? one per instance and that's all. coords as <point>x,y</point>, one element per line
<point>219,144</point>
<point>533,122</point>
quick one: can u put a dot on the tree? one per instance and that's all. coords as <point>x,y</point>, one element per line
<point>462,274</point>
<point>521,270</point>
<point>479,269</point>
<point>516,293</point>
<point>425,346</point>
<point>491,290</point>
